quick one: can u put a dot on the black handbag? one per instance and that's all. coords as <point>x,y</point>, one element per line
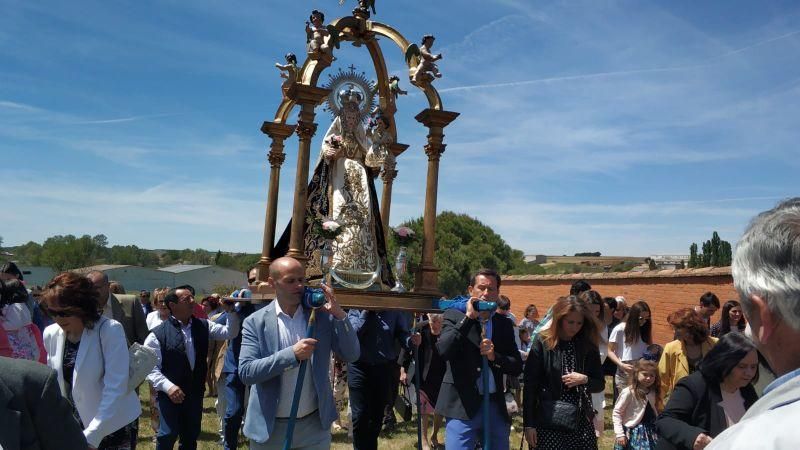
<point>558,415</point>
<point>402,405</point>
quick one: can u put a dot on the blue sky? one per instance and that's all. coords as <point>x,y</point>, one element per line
<point>624,127</point>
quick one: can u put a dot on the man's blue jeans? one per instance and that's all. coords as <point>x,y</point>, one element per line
<point>234,410</point>
<point>464,434</point>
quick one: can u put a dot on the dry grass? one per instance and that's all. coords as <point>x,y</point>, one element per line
<point>403,438</point>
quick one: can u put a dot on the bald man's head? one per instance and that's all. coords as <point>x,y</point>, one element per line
<point>100,281</point>
<point>287,276</point>
<point>283,264</point>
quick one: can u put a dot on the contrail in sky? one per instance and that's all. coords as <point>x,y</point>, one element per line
<point>620,72</point>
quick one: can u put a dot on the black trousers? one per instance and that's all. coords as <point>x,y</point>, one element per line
<point>179,421</point>
<point>394,385</point>
<point>369,387</point>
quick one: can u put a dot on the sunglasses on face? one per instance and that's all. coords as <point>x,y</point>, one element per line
<point>61,312</point>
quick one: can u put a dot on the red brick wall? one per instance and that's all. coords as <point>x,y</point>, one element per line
<point>664,291</point>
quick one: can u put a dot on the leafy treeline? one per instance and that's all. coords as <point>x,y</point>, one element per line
<point>716,253</point>
<point>588,254</point>
<point>70,252</point>
<point>463,245</point>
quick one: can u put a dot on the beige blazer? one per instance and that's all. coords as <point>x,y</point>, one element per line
<point>674,365</point>
<point>127,310</point>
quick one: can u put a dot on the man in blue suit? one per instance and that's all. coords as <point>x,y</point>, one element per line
<point>233,392</point>
<point>274,344</point>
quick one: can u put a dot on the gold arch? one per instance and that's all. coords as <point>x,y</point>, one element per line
<point>356,30</point>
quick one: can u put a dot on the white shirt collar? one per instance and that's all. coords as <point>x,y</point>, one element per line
<point>279,311</point>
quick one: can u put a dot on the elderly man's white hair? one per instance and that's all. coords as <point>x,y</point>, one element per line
<point>767,262</point>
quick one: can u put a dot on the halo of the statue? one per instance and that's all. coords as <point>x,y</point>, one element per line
<point>342,84</point>
<point>355,30</point>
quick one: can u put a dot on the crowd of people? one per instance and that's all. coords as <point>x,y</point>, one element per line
<point>66,364</point>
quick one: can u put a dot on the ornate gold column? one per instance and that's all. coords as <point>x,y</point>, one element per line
<point>388,176</point>
<point>435,121</point>
<point>278,132</point>
<point>308,97</point>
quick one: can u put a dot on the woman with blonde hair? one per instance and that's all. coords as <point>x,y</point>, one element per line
<point>562,371</point>
<point>160,311</point>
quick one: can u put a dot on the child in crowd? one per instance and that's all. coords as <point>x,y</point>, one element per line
<point>653,353</point>
<point>636,409</point>
<point>524,343</point>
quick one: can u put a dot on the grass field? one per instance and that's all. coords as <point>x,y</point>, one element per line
<point>403,438</point>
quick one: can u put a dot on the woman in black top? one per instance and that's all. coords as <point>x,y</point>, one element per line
<point>562,370</point>
<point>710,400</point>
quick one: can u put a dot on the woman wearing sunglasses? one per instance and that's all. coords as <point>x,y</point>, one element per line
<point>90,354</point>
<point>629,340</point>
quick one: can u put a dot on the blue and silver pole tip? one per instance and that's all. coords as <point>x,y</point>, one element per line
<point>481,305</point>
<point>313,297</point>
<point>460,303</point>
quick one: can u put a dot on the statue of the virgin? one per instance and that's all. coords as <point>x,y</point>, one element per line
<point>342,188</point>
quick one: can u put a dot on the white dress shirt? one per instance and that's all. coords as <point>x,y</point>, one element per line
<point>291,329</point>
<point>216,332</point>
<point>107,308</point>
<point>153,320</point>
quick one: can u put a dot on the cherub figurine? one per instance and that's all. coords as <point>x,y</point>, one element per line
<point>316,33</point>
<point>378,133</point>
<point>364,5</point>
<point>288,71</point>
<point>426,70</point>
<point>394,86</point>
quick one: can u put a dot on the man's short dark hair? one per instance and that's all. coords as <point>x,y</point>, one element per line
<point>172,295</point>
<point>708,299</point>
<point>579,286</point>
<point>12,269</point>
<point>487,273</point>
<point>611,302</point>
<point>504,303</point>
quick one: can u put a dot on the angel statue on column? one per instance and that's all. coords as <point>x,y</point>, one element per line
<point>342,189</point>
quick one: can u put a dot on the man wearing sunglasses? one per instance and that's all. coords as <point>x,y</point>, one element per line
<point>181,343</point>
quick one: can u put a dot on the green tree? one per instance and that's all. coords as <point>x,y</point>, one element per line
<point>29,254</point>
<point>463,245</point>
<point>716,253</point>
<point>716,242</point>
<point>651,265</point>
<point>694,261</point>
<point>705,258</point>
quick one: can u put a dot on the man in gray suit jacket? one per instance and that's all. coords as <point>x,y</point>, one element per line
<point>32,409</point>
<point>274,344</point>
<point>125,309</point>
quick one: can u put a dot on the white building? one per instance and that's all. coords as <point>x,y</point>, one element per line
<point>203,278</point>
<point>132,278</point>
